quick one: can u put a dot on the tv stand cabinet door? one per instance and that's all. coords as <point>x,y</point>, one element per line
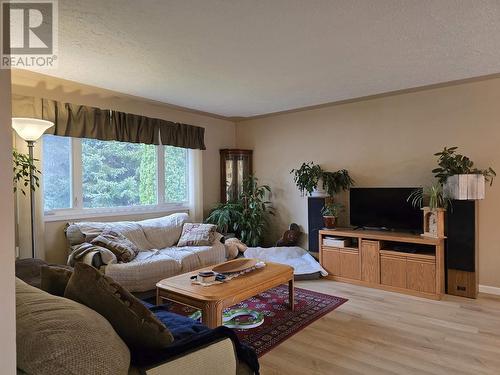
<point>393,271</point>
<point>370,261</point>
<point>349,264</point>
<point>421,276</point>
<point>331,261</point>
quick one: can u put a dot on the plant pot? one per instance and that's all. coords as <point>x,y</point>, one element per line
<point>329,221</point>
<point>319,191</point>
<point>465,186</point>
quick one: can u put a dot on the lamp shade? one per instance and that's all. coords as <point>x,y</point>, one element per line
<point>30,129</point>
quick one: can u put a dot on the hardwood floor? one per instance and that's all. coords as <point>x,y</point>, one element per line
<point>378,332</point>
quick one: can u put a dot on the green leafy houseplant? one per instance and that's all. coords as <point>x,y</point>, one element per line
<point>331,212</point>
<point>332,209</point>
<point>451,163</point>
<point>254,217</point>
<point>307,177</point>
<point>248,216</point>
<point>21,172</point>
<point>335,182</point>
<point>226,216</point>
<point>432,196</point>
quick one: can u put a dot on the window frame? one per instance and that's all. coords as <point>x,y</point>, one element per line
<point>77,211</point>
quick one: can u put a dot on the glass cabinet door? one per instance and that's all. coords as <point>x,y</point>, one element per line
<point>236,165</point>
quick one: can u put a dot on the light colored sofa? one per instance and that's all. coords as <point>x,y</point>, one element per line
<point>159,257</point>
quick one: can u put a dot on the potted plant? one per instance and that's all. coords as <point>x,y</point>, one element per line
<point>308,179</point>
<point>330,212</point>
<point>226,216</point>
<point>256,208</point>
<point>436,202</point>
<point>335,182</point>
<point>248,216</point>
<point>22,164</point>
<point>459,176</point>
<point>312,180</point>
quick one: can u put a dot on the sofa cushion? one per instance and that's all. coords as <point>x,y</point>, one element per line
<point>149,267</point>
<point>78,233</point>
<point>57,336</point>
<point>142,273</point>
<point>164,231</point>
<point>193,257</point>
<point>29,270</point>
<point>190,336</point>
<point>124,249</point>
<point>135,324</point>
<point>55,278</point>
<point>197,235</point>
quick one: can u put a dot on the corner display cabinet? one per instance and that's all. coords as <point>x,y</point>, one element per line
<point>235,166</point>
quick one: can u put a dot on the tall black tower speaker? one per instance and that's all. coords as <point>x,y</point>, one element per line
<point>314,221</point>
<point>461,252</point>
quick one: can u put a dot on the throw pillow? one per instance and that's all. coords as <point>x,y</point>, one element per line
<point>55,278</point>
<point>197,235</point>
<point>164,231</point>
<point>133,322</point>
<point>57,336</point>
<point>123,248</point>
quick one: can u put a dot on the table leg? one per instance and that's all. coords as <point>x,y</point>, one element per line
<point>212,314</point>
<point>158,298</point>
<point>291,296</point>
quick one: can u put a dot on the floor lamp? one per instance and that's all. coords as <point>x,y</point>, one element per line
<point>30,129</point>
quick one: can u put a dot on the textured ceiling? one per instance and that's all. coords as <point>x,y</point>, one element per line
<point>251,57</point>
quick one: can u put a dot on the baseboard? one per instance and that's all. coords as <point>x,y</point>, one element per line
<point>489,290</point>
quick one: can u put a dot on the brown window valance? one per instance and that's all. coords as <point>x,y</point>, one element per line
<point>79,121</point>
<point>182,135</point>
<point>135,128</point>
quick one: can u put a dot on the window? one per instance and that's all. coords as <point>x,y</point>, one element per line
<point>56,172</point>
<point>176,174</point>
<point>88,175</point>
<point>118,174</point>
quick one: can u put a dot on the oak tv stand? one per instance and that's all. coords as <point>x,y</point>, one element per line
<point>382,259</point>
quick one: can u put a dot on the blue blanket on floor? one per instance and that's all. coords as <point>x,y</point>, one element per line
<point>188,335</point>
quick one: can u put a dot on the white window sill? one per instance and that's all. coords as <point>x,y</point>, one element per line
<point>91,213</point>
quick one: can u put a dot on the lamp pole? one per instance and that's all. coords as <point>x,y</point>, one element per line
<point>31,145</point>
<point>30,129</point>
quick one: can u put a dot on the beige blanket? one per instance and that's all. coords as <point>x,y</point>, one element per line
<point>85,252</point>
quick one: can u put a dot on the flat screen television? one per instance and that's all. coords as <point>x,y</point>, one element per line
<point>384,208</point>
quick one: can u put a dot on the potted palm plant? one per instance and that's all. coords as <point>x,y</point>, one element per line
<point>433,201</point>
<point>330,212</point>
<point>460,178</point>
<point>248,217</point>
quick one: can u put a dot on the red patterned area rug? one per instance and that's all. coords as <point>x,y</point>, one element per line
<point>280,322</point>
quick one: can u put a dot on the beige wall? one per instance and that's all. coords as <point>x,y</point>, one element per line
<point>219,133</point>
<point>388,141</point>
<point>7,283</point>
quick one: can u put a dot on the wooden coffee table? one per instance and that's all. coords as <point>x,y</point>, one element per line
<point>212,300</point>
